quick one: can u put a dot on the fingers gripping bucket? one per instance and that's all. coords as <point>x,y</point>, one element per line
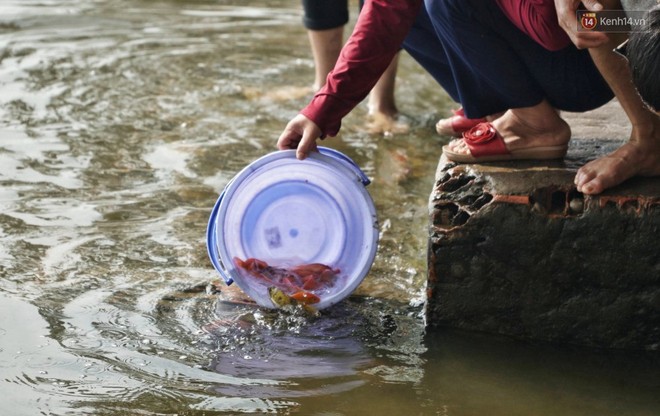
<point>286,213</point>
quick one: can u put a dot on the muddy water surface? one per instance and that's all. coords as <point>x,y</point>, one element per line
<point>120,122</point>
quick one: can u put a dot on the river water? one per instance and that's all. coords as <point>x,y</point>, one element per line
<point>120,123</point>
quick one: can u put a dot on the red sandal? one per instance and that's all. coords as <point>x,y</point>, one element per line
<point>487,145</point>
<point>456,124</point>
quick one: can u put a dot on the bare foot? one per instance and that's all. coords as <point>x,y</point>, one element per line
<point>387,124</point>
<point>631,159</point>
<point>384,117</point>
<point>524,128</point>
<point>381,102</point>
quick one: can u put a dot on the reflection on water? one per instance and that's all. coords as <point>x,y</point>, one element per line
<point>120,122</point>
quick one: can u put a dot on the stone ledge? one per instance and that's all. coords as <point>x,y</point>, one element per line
<point>514,249</point>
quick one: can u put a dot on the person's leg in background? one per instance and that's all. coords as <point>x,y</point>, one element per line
<point>325,21</point>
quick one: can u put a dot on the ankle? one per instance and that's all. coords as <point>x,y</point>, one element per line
<point>388,109</point>
<point>649,127</point>
<point>537,122</point>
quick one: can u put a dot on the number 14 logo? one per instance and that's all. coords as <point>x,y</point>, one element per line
<point>588,20</point>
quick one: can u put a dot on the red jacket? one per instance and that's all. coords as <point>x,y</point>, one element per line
<point>379,33</point>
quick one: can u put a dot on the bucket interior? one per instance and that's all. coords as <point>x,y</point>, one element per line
<point>287,213</point>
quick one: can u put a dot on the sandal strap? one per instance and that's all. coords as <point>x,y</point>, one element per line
<point>484,140</point>
<point>460,123</point>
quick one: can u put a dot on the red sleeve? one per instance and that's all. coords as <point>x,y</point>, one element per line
<point>538,19</point>
<point>379,32</point>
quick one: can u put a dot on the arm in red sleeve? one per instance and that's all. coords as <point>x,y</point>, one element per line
<point>379,32</point>
<point>538,19</point>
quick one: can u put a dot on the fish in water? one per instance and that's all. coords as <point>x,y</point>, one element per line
<point>284,301</point>
<point>302,283</point>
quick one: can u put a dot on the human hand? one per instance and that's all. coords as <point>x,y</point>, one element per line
<point>300,134</point>
<point>567,16</point>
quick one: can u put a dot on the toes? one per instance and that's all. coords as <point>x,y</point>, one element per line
<point>592,187</point>
<point>581,177</point>
<point>443,127</point>
<point>458,146</point>
<point>586,181</point>
<point>600,174</point>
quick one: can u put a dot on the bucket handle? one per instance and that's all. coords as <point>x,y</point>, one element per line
<point>211,246</point>
<point>342,158</point>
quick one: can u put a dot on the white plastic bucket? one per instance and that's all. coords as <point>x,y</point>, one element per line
<point>286,212</point>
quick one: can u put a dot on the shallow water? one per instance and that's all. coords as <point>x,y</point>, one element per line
<point>120,122</point>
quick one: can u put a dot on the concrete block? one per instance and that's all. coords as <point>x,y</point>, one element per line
<point>514,249</point>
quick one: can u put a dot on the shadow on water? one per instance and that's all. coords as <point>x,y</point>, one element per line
<point>120,122</point>
<point>312,355</point>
